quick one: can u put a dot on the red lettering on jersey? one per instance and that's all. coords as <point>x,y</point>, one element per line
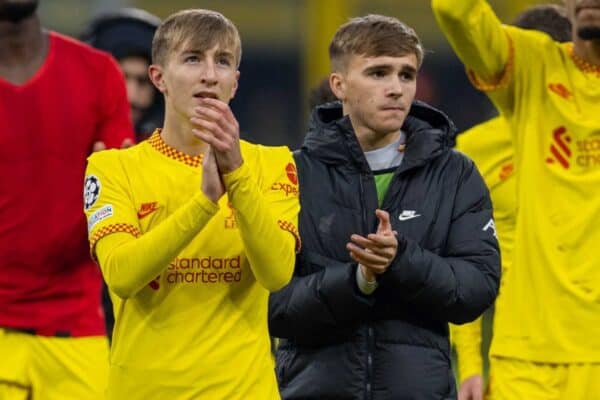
<point>560,90</point>
<point>506,171</point>
<point>230,222</point>
<point>560,150</point>
<point>292,175</point>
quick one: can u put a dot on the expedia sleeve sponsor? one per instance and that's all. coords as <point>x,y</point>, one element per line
<point>283,191</point>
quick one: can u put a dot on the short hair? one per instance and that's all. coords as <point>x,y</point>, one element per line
<point>373,36</point>
<point>549,18</point>
<point>197,28</point>
<point>321,94</point>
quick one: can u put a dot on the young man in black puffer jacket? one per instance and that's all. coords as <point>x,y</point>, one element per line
<point>398,237</point>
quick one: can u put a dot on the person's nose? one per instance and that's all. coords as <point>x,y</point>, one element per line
<point>209,73</point>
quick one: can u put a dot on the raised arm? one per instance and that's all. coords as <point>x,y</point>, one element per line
<point>267,220</point>
<point>477,37</point>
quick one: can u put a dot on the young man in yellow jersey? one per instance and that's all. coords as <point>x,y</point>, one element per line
<point>546,342</point>
<point>489,144</point>
<point>192,229</point>
<point>397,231</point>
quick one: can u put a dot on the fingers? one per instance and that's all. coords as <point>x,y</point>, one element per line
<point>384,246</point>
<point>212,186</point>
<point>367,257</point>
<point>471,388</point>
<point>98,146</point>
<point>221,107</point>
<point>216,117</point>
<point>214,129</point>
<point>127,143</point>
<point>384,221</point>
<point>206,134</point>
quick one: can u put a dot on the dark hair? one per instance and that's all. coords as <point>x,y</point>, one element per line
<point>373,36</point>
<point>198,29</point>
<point>549,18</point>
<point>321,94</point>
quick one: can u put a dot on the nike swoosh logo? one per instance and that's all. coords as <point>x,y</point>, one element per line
<point>145,213</point>
<point>407,217</point>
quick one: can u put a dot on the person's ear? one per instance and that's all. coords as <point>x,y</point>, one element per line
<point>155,72</point>
<point>338,85</point>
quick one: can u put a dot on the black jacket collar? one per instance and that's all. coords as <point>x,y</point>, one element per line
<point>331,137</point>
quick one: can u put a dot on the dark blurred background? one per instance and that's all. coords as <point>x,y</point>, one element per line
<point>285,53</point>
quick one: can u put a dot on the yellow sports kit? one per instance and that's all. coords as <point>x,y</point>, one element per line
<point>52,368</point>
<point>489,145</point>
<point>549,312</point>
<point>189,278</point>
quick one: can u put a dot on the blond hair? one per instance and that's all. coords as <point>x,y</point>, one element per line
<point>197,29</point>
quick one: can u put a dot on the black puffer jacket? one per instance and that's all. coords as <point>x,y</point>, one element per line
<point>340,344</point>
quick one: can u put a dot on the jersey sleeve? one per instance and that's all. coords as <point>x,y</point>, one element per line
<point>495,55</point>
<point>131,259</point>
<point>467,343</point>
<point>266,208</point>
<point>107,203</point>
<point>114,120</point>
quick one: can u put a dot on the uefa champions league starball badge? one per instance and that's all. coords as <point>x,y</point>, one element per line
<point>91,191</point>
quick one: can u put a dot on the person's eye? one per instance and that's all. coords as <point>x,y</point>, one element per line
<point>224,61</point>
<point>407,76</point>
<point>191,59</point>
<point>377,73</point>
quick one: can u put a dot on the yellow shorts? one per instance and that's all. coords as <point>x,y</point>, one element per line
<point>512,379</point>
<point>49,368</point>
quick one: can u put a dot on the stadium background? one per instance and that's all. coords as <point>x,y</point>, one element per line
<point>285,53</point>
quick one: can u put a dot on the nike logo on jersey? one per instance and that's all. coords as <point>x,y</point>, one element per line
<point>147,209</point>
<point>405,215</point>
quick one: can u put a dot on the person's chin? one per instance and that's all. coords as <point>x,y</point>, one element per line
<point>394,118</point>
<point>389,127</point>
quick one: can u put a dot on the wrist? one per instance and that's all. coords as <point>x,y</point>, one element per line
<point>366,281</point>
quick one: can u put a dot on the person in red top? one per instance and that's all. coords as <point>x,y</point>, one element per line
<point>59,101</point>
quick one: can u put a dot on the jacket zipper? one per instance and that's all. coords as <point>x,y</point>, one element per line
<point>370,336</point>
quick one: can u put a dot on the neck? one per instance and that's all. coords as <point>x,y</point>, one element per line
<point>370,140</point>
<point>21,43</point>
<point>587,50</point>
<point>177,133</point>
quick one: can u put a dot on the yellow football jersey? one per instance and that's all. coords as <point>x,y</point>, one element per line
<point>551,294</point>
<point>191,314</point>
<point>489,145</point>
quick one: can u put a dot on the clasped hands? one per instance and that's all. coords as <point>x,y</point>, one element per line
<point>215,124</point>
<point>375,253</point>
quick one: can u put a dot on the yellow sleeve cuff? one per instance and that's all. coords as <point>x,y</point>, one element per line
<point>502,80</point>
<point>243,171</point>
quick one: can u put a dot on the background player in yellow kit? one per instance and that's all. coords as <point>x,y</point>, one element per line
<point>191,244</point>
<point>546,341</point>
<point>489,144</point>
